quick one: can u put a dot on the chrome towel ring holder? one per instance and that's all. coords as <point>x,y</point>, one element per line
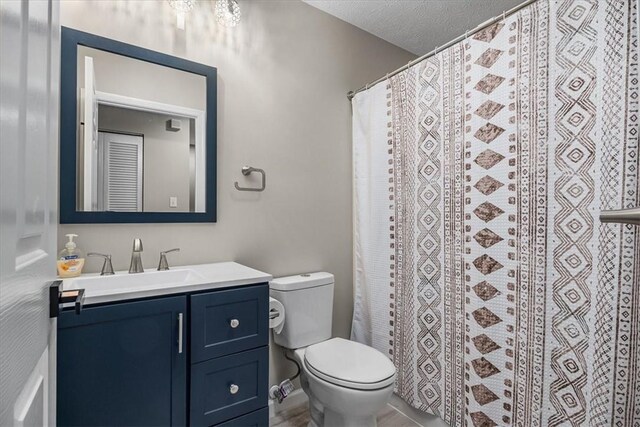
<point>246,171</point>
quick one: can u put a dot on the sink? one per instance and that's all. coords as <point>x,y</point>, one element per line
<point>123,286</point>
<point>124,282</point>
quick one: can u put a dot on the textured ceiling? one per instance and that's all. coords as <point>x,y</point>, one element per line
<point>415,25</point>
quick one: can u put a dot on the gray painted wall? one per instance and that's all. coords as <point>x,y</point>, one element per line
<point>283,75</point>
<point>143,80</point>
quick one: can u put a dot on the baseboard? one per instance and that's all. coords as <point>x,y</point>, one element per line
<point>298,397</point>
<point>419,417</point>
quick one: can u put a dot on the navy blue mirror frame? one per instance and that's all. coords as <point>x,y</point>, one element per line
<point>69,214</point>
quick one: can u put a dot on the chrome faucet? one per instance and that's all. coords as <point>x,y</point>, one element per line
<point>136,259</point>
<point>163,265</point>
<point>107,267</point>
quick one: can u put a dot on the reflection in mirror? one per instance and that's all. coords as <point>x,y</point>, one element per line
<point>141,135</point>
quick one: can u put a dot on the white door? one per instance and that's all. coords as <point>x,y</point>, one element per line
<point>90,134</point>
<point>29,70</point>
<point>119,172</point>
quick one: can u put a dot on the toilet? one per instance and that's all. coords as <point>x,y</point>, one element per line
<point>347,383</point>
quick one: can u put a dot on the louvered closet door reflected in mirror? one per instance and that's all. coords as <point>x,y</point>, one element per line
<point>119,172</point>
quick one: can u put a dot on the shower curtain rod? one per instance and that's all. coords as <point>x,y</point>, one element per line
<point>480,27</point>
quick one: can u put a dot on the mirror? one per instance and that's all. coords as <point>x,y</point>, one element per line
<point>140,127</point>
<point>140,138</point>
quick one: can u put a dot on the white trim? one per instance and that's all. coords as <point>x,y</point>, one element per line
<point>131,103</point>
<point>199,117</point>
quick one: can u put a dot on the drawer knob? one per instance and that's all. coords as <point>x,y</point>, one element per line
<point>233,389</point>
<point>234,323</point>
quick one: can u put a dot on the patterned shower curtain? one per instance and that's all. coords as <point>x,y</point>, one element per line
<point>481,267</point>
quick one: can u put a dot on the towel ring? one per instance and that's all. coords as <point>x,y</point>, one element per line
<point>246,171</point>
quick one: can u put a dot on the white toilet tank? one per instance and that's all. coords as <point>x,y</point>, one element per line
<point>308,308</point>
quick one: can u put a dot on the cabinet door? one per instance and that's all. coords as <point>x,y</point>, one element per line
<point>121,365</point>
<point>225,322</point>
<point>229,386</point>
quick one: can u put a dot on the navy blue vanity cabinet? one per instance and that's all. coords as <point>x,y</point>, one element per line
<point>121,364</point>
<point>230,357</point>
<point>196,359</point>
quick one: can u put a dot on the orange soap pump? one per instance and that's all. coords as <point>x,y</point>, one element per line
<point>70,259</point>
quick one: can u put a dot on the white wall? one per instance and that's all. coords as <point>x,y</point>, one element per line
<point>283,75</point>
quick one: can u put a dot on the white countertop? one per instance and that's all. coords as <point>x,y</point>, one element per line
<point>179,279</point>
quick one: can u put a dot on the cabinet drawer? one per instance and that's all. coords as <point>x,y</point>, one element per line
<point>225,322</point>
<point>259,418</point>
<point>229,386</point>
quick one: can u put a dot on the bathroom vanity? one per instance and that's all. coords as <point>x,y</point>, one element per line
<point>188,346</point>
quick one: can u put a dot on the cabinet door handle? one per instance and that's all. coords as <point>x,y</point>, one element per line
<point>180,316</point>
<point>233,388</point>
<point>234,323</point>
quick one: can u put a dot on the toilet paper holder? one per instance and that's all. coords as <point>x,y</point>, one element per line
<point>277,315</point>
<point>248,170</point>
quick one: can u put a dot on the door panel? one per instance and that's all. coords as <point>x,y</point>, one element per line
<point>29,64</point>
<point>120,172</point>
<point>32,403</point>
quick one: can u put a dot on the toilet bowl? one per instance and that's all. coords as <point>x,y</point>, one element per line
<point>347,382</point>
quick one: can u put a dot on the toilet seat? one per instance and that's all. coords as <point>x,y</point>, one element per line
<point>349,364</point>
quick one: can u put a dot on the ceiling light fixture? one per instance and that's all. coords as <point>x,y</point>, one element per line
<point>181,7</point>
<point>228,12</point>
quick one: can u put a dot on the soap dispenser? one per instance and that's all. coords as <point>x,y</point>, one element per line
<point>70,259</point>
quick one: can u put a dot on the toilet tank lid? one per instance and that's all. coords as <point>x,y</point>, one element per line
<point>301,281</point>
